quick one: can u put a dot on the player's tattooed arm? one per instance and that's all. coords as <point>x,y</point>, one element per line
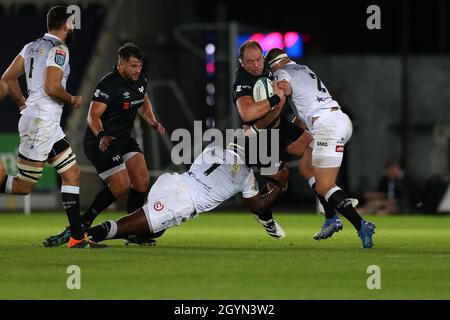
<point>10,83</point>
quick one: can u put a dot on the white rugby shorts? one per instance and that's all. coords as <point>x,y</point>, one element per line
<point>37,137</point>
<point>331,131</point>
<point>169,203</point>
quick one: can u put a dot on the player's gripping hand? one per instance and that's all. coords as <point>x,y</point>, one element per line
<point>105,142</point>
<point>284,86</point>
<point>278,91</point>
<point>76,101</point>
<point>280,179</point>
<point>158,127</point>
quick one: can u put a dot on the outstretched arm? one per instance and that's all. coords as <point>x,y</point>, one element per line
<point>276,185</point>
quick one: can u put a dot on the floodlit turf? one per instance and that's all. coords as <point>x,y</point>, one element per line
<point>229,256</point>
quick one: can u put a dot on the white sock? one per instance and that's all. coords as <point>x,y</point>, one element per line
<point>70,189</point>
<point>113,230</point>
<point>331,191</point>
<point>311,181</point>
<point>9,183</point>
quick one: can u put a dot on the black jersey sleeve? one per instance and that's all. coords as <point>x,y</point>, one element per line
<point>242,86</point>
<point>103,92</point>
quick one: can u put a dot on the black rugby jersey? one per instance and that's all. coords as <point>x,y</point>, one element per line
<point>244,82</point>
<point>123,99</point>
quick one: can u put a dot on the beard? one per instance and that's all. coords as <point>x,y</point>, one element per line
<point>69,37</point>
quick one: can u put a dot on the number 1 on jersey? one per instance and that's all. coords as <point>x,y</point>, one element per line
<point>213,167</point>
<point>30,73</point>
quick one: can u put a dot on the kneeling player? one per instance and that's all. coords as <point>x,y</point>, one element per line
<point>215,176</point>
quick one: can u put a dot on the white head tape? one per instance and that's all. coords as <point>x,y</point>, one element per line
<point>277,60</point>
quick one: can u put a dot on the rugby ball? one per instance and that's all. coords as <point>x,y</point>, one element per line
<point>263,89</point>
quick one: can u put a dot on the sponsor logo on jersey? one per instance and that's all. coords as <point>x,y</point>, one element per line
<point>339,148</point>
<point>60,57</point>
<point>116,158</point>
<point>126,95</point>
<point>141,89</point>
<point>235,168</point>
<point>240,87</point>
<point>126,105</point>
<point>137,102</point>
<point>158,206</point>
<point>322,144</point>
<point>98,93</point>
<point>41,50</point>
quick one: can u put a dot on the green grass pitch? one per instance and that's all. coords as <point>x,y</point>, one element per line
<point>229,256</point>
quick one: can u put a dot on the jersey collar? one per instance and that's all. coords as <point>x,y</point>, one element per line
<point>49,35</point>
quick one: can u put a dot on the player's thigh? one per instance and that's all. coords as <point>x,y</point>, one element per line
<point>136,166</point>
<point>118,183</point>
<point>331,132</point>
<point>37,137</point>
<point>305,164</point>
<point>169,203</point>
<point>109,165</point>
<point>133,224</point>
<point>298,147</point>
<point>293,140</point>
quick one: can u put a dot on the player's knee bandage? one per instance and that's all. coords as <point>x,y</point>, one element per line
<point>29,173</point>
<point>65,161</point>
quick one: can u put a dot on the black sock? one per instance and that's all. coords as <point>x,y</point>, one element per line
<point>3,185</point>
<point>342,203</point>
<point>71,203</point>
<point>329,212</point>
<point>157,234</point>
<point>100,232</point>
<point>266,215</point>
<point>136,200</point>
<point>102,200</point>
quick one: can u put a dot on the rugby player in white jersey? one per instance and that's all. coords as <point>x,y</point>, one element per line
<point>331,129</point>
<point>45,63</point>
<point>216,175</point>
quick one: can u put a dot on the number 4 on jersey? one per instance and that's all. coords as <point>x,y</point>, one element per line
<point>320,85</point>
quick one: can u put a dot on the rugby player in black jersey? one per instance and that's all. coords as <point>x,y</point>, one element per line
<point>120,95</point>
<point>265,114</point>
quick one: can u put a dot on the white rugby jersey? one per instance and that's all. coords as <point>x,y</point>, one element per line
<point>38,55</point>
<point>309,94</point>
<point>215,176</point>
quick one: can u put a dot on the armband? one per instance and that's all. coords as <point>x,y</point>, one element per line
<point>273,101</point>
<point>101,134</point>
